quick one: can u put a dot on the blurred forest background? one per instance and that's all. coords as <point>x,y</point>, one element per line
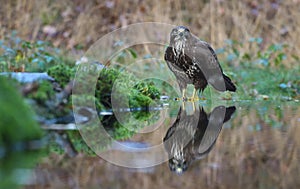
<point>75,25</point>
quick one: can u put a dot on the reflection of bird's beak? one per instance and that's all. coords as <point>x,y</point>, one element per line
<point>179,170</point>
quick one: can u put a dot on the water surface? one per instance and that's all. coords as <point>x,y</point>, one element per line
<point>247,144</point>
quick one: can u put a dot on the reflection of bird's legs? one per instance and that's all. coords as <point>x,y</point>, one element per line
<point>183,105</point>
<point>201,95</point>
<point>195,96</point>
<point>183,94</point>
<point>183,98</point>
<point>187,107</point>
<point>194,108</point>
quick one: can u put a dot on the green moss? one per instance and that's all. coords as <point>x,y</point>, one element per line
<point>143,94</point>
<point>140,93</point>
<point>43,93</point>
<point>138,100</point>
<point>62,73</point>
<point>17,129</point>
<point>17,122</point>
<point>105,82</point>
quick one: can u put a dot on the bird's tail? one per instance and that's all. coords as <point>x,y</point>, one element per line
<point>228,84</point>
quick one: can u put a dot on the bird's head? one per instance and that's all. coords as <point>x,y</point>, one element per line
<point>178,166</point>
<point>180,33</point>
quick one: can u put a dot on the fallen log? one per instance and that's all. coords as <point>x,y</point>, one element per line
<point>27,77</point>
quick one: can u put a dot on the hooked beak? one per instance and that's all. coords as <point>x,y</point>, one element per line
<point>180,37</point>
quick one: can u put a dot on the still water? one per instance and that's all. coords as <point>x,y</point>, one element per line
<point>245,144</point>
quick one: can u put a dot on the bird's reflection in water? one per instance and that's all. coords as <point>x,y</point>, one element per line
<point>192,137</point>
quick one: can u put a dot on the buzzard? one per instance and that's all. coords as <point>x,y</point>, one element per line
<point>194,62</point>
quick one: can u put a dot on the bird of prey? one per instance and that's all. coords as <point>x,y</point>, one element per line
<point>194,61</point>
<point>191,137</point>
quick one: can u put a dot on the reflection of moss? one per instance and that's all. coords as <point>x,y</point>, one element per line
<point>121,132</point>
<point>78,143</point>
<point>115,129</point>
<point>54,147</point>
<point>142,115</point>
<point>81,100</point>
<point>129,123</point>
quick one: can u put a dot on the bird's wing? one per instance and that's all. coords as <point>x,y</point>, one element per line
<point>204,56</point>
<point>170,59</point>
<point>179,72</point>
<point>175,69</point>
<point>172,129</point>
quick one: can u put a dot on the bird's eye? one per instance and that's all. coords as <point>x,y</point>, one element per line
<point>174,31</point>
<point>187,30</point>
